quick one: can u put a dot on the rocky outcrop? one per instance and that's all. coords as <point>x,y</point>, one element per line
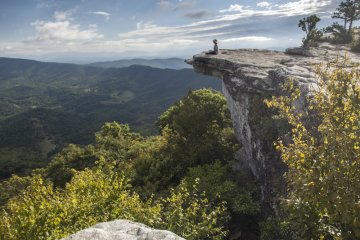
<point>122,230</point>
<point>248,74</point>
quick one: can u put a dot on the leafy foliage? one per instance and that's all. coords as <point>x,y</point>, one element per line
<point>113,143</point>
<point>308,25</point>
<point>199,129</point>
<point>278,228</point>
<point>218,183</point>
<point>20,160</point>
<point>126,175</point>
<point>12,187</point>
<point>97,195</point>
<point>197,220</point>
<point>339,33</point>
<point>46,106</point>
<point>349,11</point>
<point>323,159</point>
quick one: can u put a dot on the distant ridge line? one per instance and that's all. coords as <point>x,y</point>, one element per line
<point>167,63</point>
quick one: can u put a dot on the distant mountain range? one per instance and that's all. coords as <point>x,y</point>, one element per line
<point>169,63</point>
<point>45,106</point>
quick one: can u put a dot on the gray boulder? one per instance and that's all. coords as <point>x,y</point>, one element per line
<point>122,230</point>
<point>298,51</point>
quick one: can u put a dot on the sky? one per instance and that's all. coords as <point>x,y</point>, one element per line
<point>120,29</point>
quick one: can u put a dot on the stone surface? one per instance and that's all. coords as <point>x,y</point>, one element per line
<point>298,51</point>
<point>122,230</point>
<point>259,71</point>
<point>247,73</point>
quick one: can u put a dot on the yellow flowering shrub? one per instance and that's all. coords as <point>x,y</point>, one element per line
<point>324,155</point>
<point>98,195</point>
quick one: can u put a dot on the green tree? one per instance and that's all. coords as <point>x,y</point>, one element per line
<point>190,214</point>
<point>349,11</point>
<point>218,182</point>
<point>12,187</point>
<point>101,194</point>
<point>308,25</point>
<point>152,170</point>
<point>339,33</point>
<point>194,131</point>
<point>238,189</point>
<point>113,143</point>
<point>324,165</point>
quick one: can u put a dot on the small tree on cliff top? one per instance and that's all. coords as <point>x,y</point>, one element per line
<point>324,165</point>
<point>349,11</point>
<point>308,25</point>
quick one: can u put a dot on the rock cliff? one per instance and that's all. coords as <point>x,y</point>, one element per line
<point>249,75</point>
<point>122,230</point>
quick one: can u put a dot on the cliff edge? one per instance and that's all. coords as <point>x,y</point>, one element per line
<point>259,71</point>
<point>249,75</point>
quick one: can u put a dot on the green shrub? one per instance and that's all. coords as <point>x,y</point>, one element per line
<point>217,182</point>
<point>98,195</point>
<point>323,157</point>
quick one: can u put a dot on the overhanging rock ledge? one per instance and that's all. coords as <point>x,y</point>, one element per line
<point>246,73</point>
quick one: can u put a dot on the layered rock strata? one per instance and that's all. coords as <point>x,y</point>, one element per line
<point>249,73</point>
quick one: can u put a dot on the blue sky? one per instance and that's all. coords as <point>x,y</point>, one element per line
<point>157,28</point>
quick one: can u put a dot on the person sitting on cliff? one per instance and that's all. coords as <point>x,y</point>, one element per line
<point>216,48</point>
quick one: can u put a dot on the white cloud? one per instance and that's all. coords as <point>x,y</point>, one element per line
<point>184,41</point>
<point>65,15</point>
<point>263,4</point>
<point>300,7</point>
<point>146,46</point>
<point>60,16</point>
<point>149,29</point>
<point>63,29</point>
<point>59,31</point>
<point>145,25</point>
<point>101,13</point>
<point>306,5</point>
<point>233,8</point>
<point>226,25</point>
<point>247,38</point>
<point>237,26</point>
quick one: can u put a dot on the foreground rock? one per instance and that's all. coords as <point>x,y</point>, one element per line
<point>122,230</point>
<point>250,74</point>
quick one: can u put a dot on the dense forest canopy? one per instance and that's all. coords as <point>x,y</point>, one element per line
<point>166,181</point>
<point>46,106</point>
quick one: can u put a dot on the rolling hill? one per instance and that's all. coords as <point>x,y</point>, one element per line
<point>169,63</point>
<point>45,106</point>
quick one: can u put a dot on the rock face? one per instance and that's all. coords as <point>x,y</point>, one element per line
<point>249,73</point>
<point>122,230</point>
